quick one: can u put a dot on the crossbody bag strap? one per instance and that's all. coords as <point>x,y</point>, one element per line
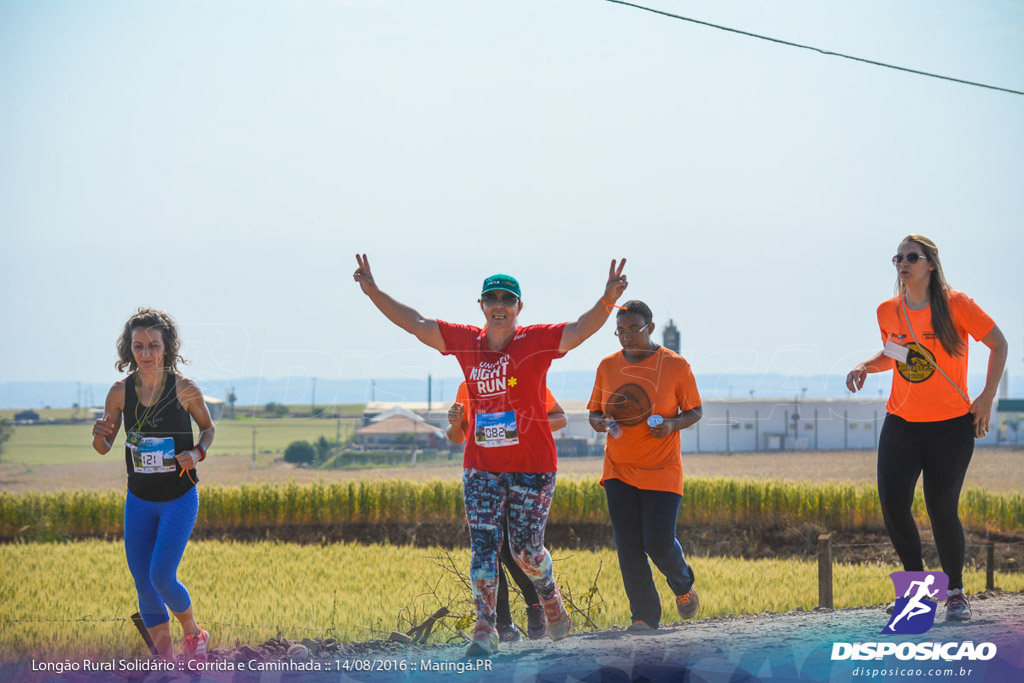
<point>906,316</point>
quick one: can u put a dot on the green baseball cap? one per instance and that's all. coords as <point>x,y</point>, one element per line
<point>504,282</point>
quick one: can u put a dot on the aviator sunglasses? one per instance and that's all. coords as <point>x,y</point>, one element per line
<point>912,258</point>
<point>507,298</point>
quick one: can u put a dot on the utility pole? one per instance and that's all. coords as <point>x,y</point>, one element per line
<point>312,402</point>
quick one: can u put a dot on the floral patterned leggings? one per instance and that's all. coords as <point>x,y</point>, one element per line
<point>527,497</point>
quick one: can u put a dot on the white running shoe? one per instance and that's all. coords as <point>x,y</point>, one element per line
<point>957,606</point>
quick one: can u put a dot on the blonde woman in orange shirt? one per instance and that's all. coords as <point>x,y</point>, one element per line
<point>931,424</point>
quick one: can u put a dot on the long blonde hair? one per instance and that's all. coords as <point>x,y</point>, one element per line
<point>938,297</point>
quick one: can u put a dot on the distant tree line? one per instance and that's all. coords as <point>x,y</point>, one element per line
<point>6,430</point>
<point>306,453</point>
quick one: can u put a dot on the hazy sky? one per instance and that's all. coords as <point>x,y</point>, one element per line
<point>224,160</point>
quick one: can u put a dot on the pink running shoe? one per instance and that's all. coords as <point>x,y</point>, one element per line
<point>195,645</point>
<point>485,641</point>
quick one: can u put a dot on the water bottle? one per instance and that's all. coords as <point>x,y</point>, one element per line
<point>655,420</point>
<point>614,430</point>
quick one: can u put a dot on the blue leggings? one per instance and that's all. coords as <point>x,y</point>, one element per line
<point>527,499</point>
<point>155,535</point>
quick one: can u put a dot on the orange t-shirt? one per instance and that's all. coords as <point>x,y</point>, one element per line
<point>662,384</point>
<point>919,392</point>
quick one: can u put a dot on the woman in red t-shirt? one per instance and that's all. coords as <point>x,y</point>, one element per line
<point>459,416</point>
<point>510,461</point>
<point>931,424</point>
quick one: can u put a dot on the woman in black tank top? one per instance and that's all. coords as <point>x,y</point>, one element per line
<point>164,421</point>
<point>157,407</point>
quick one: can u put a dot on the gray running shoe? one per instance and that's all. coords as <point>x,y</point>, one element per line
<point>559,622</point>
<point>639,626</point>
<point>509,633</point>
<point>536,624</point>
<point>687,605</point>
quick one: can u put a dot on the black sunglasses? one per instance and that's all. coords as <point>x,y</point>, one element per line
<point>912,258</point>
<point>507,298</point>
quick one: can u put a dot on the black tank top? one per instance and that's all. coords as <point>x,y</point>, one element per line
<point>166,429</point>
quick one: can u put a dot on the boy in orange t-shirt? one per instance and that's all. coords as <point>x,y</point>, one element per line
<point>649,393</point>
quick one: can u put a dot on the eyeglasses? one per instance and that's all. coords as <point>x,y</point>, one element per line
<point>619,332</point>
<point>507,298</point>
<point>912,258</point>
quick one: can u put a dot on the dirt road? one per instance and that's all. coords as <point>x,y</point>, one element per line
<point>767,647</point>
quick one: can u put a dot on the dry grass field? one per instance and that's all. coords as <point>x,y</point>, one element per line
<point>317,591</point>
<point>1000,470</point>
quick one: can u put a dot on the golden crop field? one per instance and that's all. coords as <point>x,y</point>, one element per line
<point>250,592</point>
<point>707,501</point>
<point>997,470</point>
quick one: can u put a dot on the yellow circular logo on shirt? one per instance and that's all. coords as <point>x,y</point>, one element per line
<point>920,363</point>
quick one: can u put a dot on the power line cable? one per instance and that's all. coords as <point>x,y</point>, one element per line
<point>815,49</point>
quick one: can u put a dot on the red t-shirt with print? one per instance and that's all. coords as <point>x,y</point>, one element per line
<point>509,431</point>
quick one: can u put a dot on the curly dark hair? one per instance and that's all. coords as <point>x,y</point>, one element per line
<point>149,318</point>
<point>638,307</point>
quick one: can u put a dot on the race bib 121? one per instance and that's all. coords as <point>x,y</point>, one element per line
<point>152,455</point>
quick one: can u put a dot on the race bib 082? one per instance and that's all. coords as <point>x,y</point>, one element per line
<point>496,429</point>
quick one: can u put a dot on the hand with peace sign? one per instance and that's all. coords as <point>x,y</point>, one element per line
<point>590,322</point>
<point>363,275</point>
<point>616,283</point>
<point>425,329</point>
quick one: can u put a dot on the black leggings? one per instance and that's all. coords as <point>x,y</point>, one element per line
<point>942,451</point>
<point>508,563</point>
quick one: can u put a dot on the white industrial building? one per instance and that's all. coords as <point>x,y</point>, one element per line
<point>756,424</point>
